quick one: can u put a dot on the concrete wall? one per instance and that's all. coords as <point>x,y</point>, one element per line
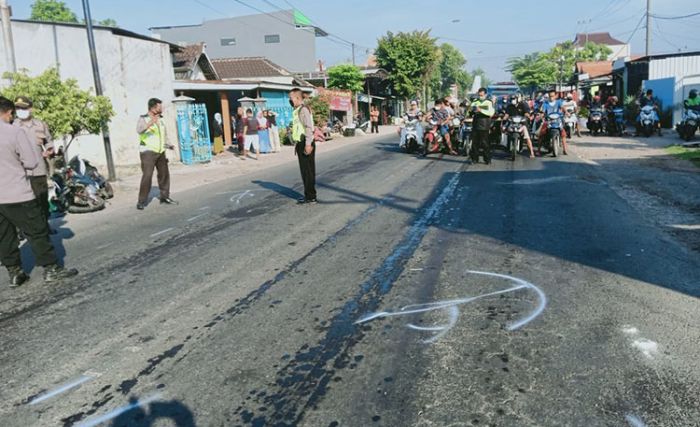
<point>133,70</point>
<point>296,50</point>
<point>685,70</point>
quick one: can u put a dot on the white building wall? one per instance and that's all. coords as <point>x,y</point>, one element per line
<point>132,70</point>
<point>619,51</point>
<point>685,70</point>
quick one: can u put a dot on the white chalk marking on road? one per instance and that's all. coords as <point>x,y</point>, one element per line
<point>61,389</point>
<point>538,181</point>
<point>634,421</point>
<point>105,246</point>
<point>416,269</point>
<point>240,195</point>
<point>115,413</point>
<point>194,218</point>
<point>162,232</point>
<point>648,348</point>
<point>204,208</point>
<point>630,330</point>
<point>451,306</point>
<point>689,227</point>
<point>588,161</point>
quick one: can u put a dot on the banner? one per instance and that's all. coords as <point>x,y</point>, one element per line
<point>338,100</point>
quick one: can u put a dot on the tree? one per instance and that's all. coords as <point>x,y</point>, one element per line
<point>557,65</point>
<point>52,11</point>
<point>410,59</point>
<point>109,22</point>
<point>485,81</point>
<point>346,77</point>
<point>532,70</point>
<point>68,110</point>
<point>450,71</point>
<point>320,109</point>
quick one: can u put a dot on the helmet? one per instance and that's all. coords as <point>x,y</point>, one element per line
<point>693,94</point>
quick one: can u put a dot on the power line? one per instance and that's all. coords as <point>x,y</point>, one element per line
<point>671,18</point>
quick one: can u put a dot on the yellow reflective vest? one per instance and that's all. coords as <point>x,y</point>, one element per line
<point>154,137</point>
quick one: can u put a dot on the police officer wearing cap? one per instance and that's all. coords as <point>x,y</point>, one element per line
<point>38,131</point>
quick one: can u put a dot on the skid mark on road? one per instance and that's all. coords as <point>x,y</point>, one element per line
<point>451,307</point>
<point>303,381</point>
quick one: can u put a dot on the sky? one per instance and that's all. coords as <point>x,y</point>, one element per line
<point>487,32</point>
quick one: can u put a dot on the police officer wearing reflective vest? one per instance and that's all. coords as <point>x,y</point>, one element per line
<point>153,143</point>
<point>305,148</point>
<point>482,110</point>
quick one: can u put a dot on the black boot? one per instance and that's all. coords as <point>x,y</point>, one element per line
<point>17,276</point>
<point>54,273</point>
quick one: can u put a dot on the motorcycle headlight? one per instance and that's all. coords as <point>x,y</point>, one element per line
<point>692,122</point>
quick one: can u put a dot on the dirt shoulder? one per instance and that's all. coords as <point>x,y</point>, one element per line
<point>663,187</point>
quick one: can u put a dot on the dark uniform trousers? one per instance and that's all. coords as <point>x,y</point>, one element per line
<point>40,187</point>
<point>481,142</point>
<point>26,216</point>
<point>149,161</point>
<point>307,165</point>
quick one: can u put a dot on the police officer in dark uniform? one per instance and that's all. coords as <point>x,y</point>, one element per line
<point>482,110</point>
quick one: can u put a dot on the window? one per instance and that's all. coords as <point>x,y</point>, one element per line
<point>272,38</point>
<point>228,41</point>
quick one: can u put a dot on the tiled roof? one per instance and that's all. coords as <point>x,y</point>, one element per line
<point>188,55</point>
<point>247,67</point>
<point>595,69</point>
<point>599,38</point>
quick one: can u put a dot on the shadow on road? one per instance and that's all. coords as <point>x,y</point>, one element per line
<point>62,233</point>
<point>279,189</point>
<point>158,413</point>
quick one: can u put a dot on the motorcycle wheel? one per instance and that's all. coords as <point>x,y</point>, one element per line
<point>689,133</point>
<point>90,205</point>
<point>514,145</point>
<point>556,138</point>
<point>648,130</point>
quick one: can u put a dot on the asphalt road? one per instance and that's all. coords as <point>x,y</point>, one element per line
<point>418,292</point>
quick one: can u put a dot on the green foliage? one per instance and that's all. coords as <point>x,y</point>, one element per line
<point>346,77</point>
<point>68,110</point>
<point>584,112</point>
<point>410,59</point>
<point>109,22</point>
<point>53,11</point>
<point>631,108</point>
<point>320,109</point>
<point>533,70</point>
<point>685,153</point>
<point>450,71</point>
<point>538,70</point>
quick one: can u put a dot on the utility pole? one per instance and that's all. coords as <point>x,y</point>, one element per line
<point>648,44</point>
<point>9,46</point>
<point>353,53</point>
<point>98,88</point>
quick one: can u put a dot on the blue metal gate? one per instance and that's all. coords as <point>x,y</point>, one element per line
<point>193,133</point>
<point>278,102</point>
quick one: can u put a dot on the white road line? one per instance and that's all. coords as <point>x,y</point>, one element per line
<point>634,421</point>
<point>197,217</point>
<point>115,413</point>
<point>61,389</point>
<point>162,232</point>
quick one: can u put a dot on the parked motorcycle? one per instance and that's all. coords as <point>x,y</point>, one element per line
<point>647,120</point>
<point>553,138</point>
<point>689,125</point>
<point>595,121</point>
<point>513,127</point>
<point>616,122</point>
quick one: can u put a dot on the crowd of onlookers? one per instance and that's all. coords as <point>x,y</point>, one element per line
<point>258,133</point>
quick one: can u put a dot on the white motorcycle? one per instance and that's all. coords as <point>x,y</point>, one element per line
<point>570,121</point>
<point>689,125</point>
<point>411,139</point>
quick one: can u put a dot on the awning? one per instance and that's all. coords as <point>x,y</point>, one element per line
<point>219,85</point>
